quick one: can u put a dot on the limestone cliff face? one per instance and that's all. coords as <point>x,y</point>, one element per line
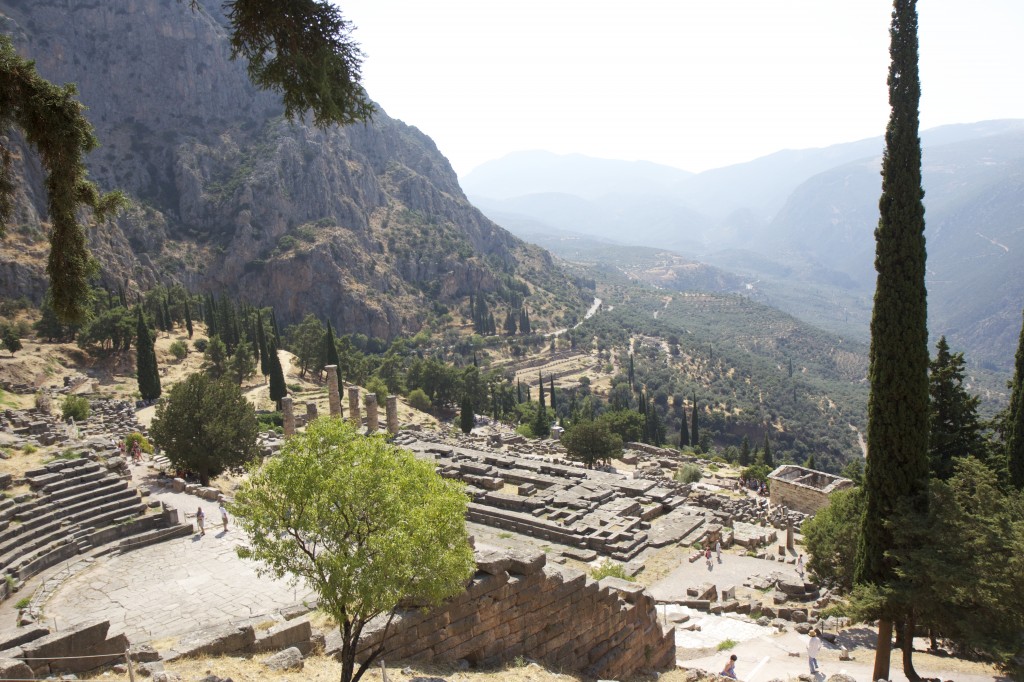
<point>365,225</point>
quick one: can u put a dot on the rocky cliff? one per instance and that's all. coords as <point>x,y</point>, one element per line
<point>365,225</point>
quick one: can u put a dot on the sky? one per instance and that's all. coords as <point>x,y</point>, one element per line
<point>694,84</point>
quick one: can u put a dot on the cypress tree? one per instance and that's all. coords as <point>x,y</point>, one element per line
<point>551,382</point>
<point>694,427</point>
<point>168,320</point>
<point>897,465</point>
<point>541,388</point>
<point>744,460</point>
<point>147,373</point>
<point>953,427</point>
<point>466,415</point>
<point>684,433</point>
<point>519,391</point>
<point>261,342</point>
<point>632,385</point>
<point>331,349</point>
<point>275,328</point>
<point>188,317</point>
<point>769,461</point>
<point>1015,420</point>
<point>278,388</point>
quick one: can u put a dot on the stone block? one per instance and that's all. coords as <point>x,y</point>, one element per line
<point>492,561</point>
<point>728,593</point>
<point>707,591</point>
<point>13,669</point>
<point>525,562</point>
<point>13,637</point>
<point>222,639</point>
<point>288,659</point>
<point>284,635</point>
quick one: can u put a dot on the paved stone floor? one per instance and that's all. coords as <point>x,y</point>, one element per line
<point>173,587</point>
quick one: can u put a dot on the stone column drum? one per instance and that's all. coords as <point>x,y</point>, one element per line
<point>391,410</point>
<point>288,415</point>
<point>332,390</point>
<point>371,412</point>
<point>311,412</point>
<point>353,405</point>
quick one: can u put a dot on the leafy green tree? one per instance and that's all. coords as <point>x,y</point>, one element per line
<point>466,419</point>
<point>11,341</point>
<point>831,536</point>
<point>242,364</point>
<point>205,425</point>
<point>591,443</point>
<point>147,373</point>
<point>111,330</point>
<point>278,388</point>
<point>897,466</point>
<point>75,407</point>
<point>954,430</point>
<point>215,358</point>
<point>627,424</point>
<point>364,523</point>
<point>308,343</point>
<point>418,400</point>
<point>1015,420</point>
<point>52,122</point>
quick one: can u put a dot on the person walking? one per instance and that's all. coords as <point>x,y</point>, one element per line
<point>800,565</point>
<point>223,516</point>
<point>813,646</point>
<point>201,520</point>
<point>730,668</point>
<point>707,557</point>
<point>718,550</point>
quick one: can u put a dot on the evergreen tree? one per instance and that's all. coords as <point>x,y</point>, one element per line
<point>331,348</point>
<point>694,426</point>
<point>809,463</point>
<point>147,373</point>
<point>897,465</point>
<point>551,382</point>
<point>953,427</point>
<point>1015,420</point>
<point>631,375</point>
<point>519,392</point>
<point>168,321</point>
<point>242,364</point>
<point>684,432</point>
<point>210,316</point>
<point>541,424</point>
<point>261,341</point>
<point>275,328</point>
<point>11,340</point>
<point>524,321</point>
<point>216,357</point>
<point>744,460</point>
<point>541,389</point>
<point>510,324</point>
<point>466,414</point>
<point>188,317</point>
<point>278,388</point>
<point>766,455</point>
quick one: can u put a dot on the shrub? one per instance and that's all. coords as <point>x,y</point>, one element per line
<point>268,420</point>
<point>23,603</point>
<point>179,349</point>
<point>201,345</point>
<point>688,473</point>
<point>419,400</point>
<point>75,407</point>
<point>610,569</point>
<point>143,442</point>
<point>727,644</point>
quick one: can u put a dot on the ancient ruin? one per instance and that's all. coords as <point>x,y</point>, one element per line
<point>805,490</point>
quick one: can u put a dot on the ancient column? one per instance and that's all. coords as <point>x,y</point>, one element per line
<point>371,412</point>
<point>353,405</point>
<point>391,410</point>
<point>789,537</point>
<point>332,390</point>
<point>288,415</point>
<point>311,412</point>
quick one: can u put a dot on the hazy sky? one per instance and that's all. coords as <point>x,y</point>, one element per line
<point>694,84</point>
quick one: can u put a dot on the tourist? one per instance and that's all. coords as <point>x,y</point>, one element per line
<point>730,668</point>
<point>201,520</point>
<point>800,565</point>
<point>813,645</point>
<point>223,516</point>
<point>718,550</point>
<point>707,556</point>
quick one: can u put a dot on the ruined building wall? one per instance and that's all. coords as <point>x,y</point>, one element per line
<point>802,489</point>
<point>516,605</point>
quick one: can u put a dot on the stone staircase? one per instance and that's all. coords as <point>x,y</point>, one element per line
<point>75,506</point>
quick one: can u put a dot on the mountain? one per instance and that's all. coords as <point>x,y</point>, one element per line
<point>365,225</point>
<point>797,228</point>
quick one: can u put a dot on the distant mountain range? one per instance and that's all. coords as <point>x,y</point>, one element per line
<point>797,227</point>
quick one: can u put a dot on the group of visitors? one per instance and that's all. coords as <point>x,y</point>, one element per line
<point>136,451</point>
<point>201,518</point>
<point>759,487</point>
<point>813,646</point>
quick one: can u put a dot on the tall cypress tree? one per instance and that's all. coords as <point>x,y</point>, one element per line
<point>541,389</point>
<point>694,427</point>
<point>261,342</point>
<point>684,432</point>
<point>188,317</point>
<point>1015,420</point>
<point>331,349</point>
<point>147,373</point>
<point>766,456</point>
<point>278,388</point>
<point>551,383</point>
<point>897,465</point>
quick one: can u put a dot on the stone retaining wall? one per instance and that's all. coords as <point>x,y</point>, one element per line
<point>516,605</point>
